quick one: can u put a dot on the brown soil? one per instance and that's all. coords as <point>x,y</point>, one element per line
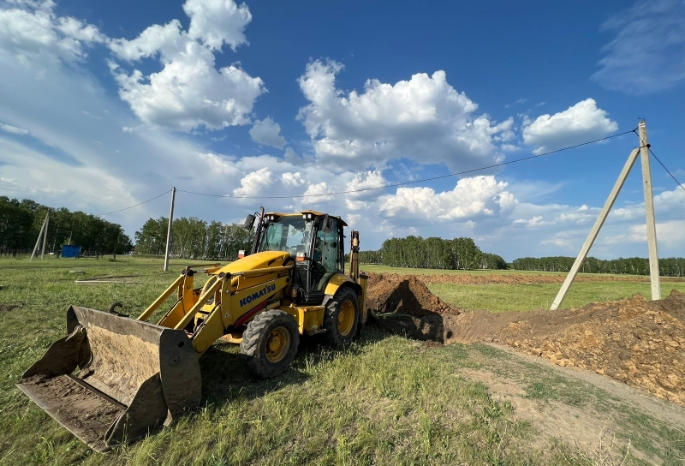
<point>530,279</point>
<point>403,304</point>
<point>83,412</point>
<point>638,342</point>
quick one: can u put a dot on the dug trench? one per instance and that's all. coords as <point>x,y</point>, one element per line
<point>635,341</point>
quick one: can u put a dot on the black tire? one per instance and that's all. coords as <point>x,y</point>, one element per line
<point>339,333</point>
<point>260,359</point>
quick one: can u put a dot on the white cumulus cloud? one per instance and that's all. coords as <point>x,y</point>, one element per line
<point>216,22</point>
<point>577,124</point>
<point>189,92</point>
<point>34,33</point>
<point>268,132</point>
<point>479,195</point>
<point>424,119</point>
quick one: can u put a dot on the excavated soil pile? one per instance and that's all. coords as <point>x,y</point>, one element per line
<point>528,279</point>
<point>633,340</point>
<point>403,304</point>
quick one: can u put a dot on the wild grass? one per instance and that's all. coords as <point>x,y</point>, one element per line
<point>525,297</point>
<point>386,400</point>
<point>407,270</point>
<point>501,297</point>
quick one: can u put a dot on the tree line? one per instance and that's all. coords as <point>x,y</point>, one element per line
<point>432,253</point>
<point>193,238</point>
<point>668,267</point>
<point>20,223</point>
<point>462,253</point>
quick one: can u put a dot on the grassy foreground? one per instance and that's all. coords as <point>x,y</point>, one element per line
<point>386,400</point>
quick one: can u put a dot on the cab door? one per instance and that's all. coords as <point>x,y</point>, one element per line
<point>327,253</point>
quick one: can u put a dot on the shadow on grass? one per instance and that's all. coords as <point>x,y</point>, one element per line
<point>225,379</point>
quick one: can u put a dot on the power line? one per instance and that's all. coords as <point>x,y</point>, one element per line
<point>392,185</point>
<point>664,167</point>
<point>131,207</point>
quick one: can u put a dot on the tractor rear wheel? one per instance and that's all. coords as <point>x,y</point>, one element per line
<point>270,343</point>
<point>341,318</point>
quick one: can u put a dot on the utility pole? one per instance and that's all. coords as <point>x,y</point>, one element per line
<point>643,151</point>
<point>40,235</point>
<point>595,230</point>
<point>649,211</point>
<point>45,234</point>
<point>168,233</point>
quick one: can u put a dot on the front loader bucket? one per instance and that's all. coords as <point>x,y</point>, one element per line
<point>132,376</point>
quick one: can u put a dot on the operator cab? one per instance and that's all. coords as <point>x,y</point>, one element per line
<point>315,242</point>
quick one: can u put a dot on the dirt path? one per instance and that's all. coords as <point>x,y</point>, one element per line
<point>635,341</point>
<point>605,419</point>
<point>664,411</point>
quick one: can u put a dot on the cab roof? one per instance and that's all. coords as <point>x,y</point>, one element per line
<point>297,214</point>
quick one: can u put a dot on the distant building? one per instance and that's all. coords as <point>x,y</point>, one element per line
<point>71,251</point>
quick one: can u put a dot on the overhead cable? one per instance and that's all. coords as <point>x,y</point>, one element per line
<point>667,170</point>
<point>392,185</point>
<point>136,205</point>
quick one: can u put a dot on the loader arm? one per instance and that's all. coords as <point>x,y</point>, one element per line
<point>114,378</point>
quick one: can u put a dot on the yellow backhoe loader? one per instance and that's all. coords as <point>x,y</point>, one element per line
<point>114,379</point>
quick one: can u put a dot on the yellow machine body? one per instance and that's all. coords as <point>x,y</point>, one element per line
<point>136,374</point>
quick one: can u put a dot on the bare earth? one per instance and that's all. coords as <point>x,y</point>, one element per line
<point>635,341</point>
<point>608,348</point>
<point>597,431</point>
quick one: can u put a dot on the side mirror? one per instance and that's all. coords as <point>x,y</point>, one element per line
<point>249,222</point>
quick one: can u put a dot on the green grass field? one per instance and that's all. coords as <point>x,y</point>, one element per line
<point>386,400</point>
<point>503,297</point>
<point>499,298</point>
<point>405,270</point>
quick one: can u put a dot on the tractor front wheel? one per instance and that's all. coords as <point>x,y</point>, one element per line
<point>342,315</point>
<point>270,343</point>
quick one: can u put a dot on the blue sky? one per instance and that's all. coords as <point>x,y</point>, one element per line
<point>107,104</point>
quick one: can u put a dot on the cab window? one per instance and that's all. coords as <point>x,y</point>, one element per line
<point>327,247</point>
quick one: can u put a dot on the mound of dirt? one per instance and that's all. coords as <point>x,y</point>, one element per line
<point>638,342</point>
<point>403,304</point>
<point>530,279</point>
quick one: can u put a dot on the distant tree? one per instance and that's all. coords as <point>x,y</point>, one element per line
<point>193,238</point>
<point>668,267</point>
<point>21,221</point>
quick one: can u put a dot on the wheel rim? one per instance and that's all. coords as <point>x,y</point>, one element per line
<point>277,344</point>
<point>346,318</point>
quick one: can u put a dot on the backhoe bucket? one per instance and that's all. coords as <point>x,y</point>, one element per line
<point>132,377</point>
